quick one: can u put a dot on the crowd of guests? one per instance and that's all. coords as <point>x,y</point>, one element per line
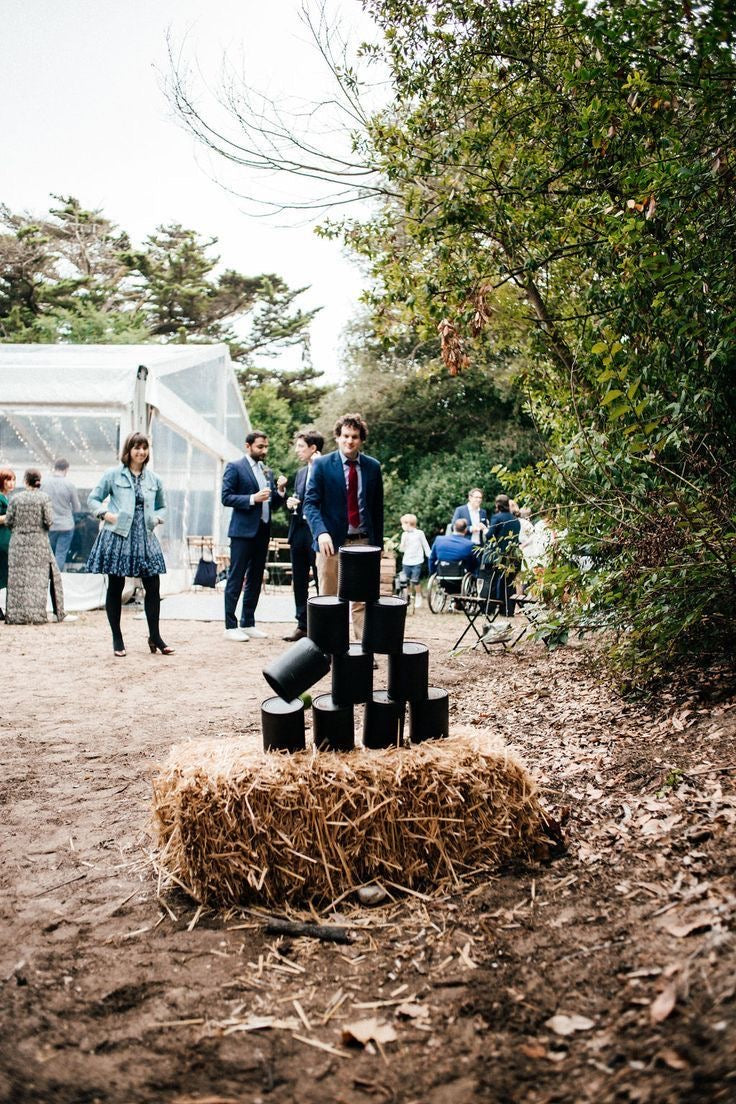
<point>337,501</point>
<point>504,547</point>
<point>36,530</point>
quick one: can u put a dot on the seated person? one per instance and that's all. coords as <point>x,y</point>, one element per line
<point>456,549</point>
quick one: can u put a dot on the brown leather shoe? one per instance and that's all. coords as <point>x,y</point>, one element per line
<point>297,634</point>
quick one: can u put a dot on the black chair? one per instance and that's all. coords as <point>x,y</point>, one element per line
<point>447,581</point>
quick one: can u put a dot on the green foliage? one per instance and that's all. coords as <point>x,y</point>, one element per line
<point>435,435</point>
<point>563,184</point>
<point>75,277</point>
<point>271,413</point>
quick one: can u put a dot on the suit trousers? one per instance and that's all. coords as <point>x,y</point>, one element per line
<point>327,568</point>
<point>302,564</point>
<point>247,562</point>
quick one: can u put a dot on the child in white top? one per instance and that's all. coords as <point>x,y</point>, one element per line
<point>414,549</point>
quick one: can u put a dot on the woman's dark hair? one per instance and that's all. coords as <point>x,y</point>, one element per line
<point>32,478</point>
<point>6,474</point>
<point>131,442</point>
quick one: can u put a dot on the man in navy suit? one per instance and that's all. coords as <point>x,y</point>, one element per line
<point>308,447</point>
<point>248,487</point>
<point>344,504</point>
<point>475,515</point>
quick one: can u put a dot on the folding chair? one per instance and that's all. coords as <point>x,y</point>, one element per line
<point>483,604</point>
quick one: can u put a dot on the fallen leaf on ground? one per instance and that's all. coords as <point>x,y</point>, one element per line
<point>662,1005</point>
<point>567,1024</point>
<point>681,929</point>
<point>413,1011</point>
<point>671,1058</point>
<point>366,1031</point>
<point>533,1050</point>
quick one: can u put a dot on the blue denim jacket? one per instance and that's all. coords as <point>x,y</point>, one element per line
<point>117,485</point>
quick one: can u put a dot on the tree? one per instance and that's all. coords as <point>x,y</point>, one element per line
<point>558,177</point>
<point>74,276</point>
<point>577,157</point>
<point>436,435</point>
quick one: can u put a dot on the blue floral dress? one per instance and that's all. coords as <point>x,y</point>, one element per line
<point>136,555</point>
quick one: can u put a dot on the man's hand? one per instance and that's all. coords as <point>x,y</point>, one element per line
<point>263,495</point>
<point>281,482</point>
<point>326,547</point>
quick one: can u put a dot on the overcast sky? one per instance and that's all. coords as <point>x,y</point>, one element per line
<point>83,113</point>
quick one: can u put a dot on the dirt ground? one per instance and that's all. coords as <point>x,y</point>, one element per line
<point>604,975</point>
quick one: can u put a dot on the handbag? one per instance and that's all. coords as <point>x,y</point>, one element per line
<point>206,573</point>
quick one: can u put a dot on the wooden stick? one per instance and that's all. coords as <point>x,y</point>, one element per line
<point>328,933</point>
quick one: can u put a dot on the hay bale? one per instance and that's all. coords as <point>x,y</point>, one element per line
<point>237,826</point>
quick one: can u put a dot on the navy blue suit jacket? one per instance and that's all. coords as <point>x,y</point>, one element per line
<point>326,500</point>
<point>454,549</point>
<point>238,484</point>
<point>464,512</point>
<point>299,533</point>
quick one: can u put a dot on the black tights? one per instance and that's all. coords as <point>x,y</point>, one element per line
<point>151,604</point>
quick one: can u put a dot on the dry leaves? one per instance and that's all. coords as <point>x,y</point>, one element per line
<point>564,1023</point>
<point>661,1007</point>
<point>362,1032</point>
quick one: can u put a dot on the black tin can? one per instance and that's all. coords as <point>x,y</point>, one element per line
<point>408,672</point>
<point>359,573</point>
<point>383,627</point>
<point>430,719</point>
<point>333,726</point>
<point>383,722</point>
<point>297,669</point>
<point>282,723</point>
<point>352,676</point>
<point>328,624</point>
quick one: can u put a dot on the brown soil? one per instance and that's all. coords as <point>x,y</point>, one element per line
<point>113,993</point>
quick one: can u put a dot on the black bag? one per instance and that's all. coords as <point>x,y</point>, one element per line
<point>206,573</point>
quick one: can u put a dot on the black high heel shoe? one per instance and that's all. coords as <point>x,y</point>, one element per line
<point>164,649</point>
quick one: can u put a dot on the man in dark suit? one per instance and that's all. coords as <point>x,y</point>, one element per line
<point>475,515</point>
<point>344,504</point>
<point>248,487</point>
<point>503,555</point>
<point>308,447</point>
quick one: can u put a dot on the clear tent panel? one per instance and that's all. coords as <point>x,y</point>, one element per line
<point>236,426</point>
<point>202,387</point>
<point>170,461</point>
<point>85,440</point>
<point>203,493</point>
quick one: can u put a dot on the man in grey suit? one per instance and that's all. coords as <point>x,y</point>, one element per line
<point>308,447</point>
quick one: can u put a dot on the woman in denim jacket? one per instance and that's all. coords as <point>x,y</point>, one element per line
<point>126,545</point>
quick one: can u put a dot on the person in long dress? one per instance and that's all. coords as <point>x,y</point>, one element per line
<point>7,484</point>
<point>129,500</point>
<point>31,564</point>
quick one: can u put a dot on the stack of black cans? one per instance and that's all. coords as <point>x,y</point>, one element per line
<point>328,644</point>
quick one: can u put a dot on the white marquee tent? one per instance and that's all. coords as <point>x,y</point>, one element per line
<point>80,402</point>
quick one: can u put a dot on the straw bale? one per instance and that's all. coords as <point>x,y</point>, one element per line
<point>235,826</point>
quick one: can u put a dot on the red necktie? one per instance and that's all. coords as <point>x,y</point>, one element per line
<point>353,507</point>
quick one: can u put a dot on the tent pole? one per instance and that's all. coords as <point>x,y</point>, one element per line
<point>139,400</point>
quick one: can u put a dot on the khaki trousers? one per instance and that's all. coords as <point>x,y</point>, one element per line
<point>327,575</point>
